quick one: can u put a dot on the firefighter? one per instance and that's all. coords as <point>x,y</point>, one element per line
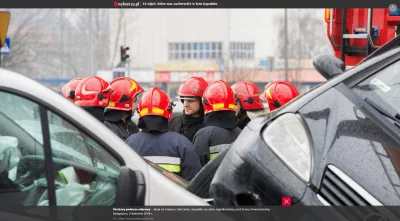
<point>122,106</point>
<point>220,121</point>
<point>156,143</point>
<point>190,93</point>
<point>279,93</point>
<point>92,94</point>
<point>248,102</point>
<point>68,91</point>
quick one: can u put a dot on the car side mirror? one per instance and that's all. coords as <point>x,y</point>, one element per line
<point>328,65</point>
<point>131,188</point>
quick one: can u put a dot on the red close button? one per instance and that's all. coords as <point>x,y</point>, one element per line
<point>286,201</point>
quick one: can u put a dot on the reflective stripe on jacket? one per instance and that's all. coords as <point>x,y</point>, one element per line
<point>172,164</point>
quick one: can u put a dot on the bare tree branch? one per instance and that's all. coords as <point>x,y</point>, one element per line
<point>306,38</point>
<point>120,20</point>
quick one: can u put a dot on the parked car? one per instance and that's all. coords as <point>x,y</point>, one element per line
<point>338,144</point>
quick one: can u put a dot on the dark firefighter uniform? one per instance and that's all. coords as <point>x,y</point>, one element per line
<point>168,150</point>
<point>123,129</point>
<point>117,117</point>
<point>220,122</point>
<point>156,143</point>
<point>190,92</point>
<point>187,125</point>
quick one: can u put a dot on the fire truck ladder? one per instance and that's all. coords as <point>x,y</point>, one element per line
<point>347,49</point>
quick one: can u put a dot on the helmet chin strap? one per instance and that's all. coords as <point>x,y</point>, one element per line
<point>276,104</point>
<point>130,113</point>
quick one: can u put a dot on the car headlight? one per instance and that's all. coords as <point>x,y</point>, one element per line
<point>289,139</point>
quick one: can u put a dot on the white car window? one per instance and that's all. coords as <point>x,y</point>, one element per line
<point>85,173</point>
<point>22,181</point>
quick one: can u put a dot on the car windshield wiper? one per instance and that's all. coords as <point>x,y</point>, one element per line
<point>388,111</point>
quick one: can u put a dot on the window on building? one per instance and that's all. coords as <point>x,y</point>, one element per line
<point>241,50</point>
<point>195,50</point>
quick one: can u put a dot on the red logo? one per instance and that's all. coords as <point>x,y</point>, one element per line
<point>286,201</point>
<point>115,4</point>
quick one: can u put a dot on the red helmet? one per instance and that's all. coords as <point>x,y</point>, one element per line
<point>93,92</point>
<point>192,87</point>
<point>263,94</point>
<point>124,91</point>
<point>279,93</point>
<point>155,102</point>
<point>218,97</point>
<point>249,95</point>
<point>265,88</point>
<point>69,89</point>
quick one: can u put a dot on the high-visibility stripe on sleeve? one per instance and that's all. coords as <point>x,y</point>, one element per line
<point>218,148</point>
<point>213,155</point>
<point>164,159</point>
<point>215,150</point>
<point>172,164</point>
<point>171,168</point>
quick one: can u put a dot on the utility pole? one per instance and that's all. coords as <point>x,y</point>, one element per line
<point>228,42</point>
<point>286,48</point>
<point>90,44</point>
<point>62,42</point>
<point>128,59</point>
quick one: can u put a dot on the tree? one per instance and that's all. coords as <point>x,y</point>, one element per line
<point>75,40</point>
<point>31,42</point>
<point>55,43</point>
<point>306,37</point>
<point>236,72</point>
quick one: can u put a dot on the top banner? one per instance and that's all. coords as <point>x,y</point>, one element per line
<point>197,4</point>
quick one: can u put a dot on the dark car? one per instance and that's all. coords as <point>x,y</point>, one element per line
<point>338,144</point>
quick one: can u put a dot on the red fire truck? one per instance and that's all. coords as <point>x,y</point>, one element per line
<point>356,32</point>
